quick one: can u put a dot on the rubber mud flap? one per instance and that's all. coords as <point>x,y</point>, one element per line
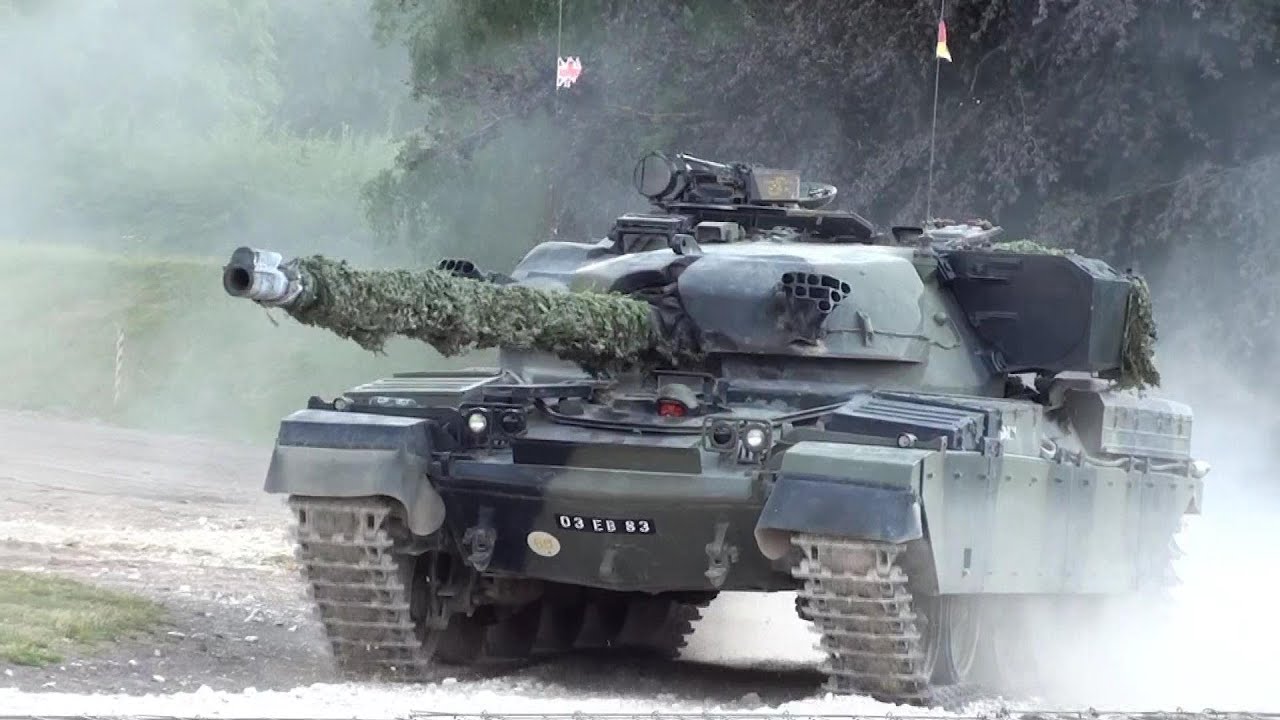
<point>326,453</point>
<point>839,508</point>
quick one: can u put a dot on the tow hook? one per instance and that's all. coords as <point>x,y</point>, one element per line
<point>479,539</point>
<point>720,555</point>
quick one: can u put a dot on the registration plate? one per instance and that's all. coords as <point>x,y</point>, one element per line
<point>624,526</point>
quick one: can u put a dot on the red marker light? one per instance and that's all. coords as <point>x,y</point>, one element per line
<point>671,408</point>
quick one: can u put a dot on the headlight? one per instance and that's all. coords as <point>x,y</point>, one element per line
<point>477,422</point>
<point>757,440</point>
<point>722,436</point>
<point>512,422</point>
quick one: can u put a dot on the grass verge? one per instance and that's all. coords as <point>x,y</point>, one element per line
<point>42,617</point>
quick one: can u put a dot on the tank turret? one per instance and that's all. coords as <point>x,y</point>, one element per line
<point>731,260</point>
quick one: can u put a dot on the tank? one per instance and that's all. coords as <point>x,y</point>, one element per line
<point>918,431</point>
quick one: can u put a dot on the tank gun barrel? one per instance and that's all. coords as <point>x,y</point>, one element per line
<point>600,331</point>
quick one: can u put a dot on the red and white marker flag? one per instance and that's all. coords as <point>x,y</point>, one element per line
<point>567,71</point>
<point>942,52</point>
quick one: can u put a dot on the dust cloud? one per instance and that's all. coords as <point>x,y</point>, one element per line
<point>1213,646</point>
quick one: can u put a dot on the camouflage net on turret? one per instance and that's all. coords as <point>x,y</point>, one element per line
<point>1030,247</point>
<point>1137,354</point>
<point>601,332</point>
<point>1137,365</point>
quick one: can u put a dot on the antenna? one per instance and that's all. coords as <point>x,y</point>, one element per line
<point>933,129</point>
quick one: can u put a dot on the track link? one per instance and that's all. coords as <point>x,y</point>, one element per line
<point>361,593</point>
<point>858,599</point>
<point>360,588</point>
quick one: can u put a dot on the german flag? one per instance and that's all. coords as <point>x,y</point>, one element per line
<point>942,51</point>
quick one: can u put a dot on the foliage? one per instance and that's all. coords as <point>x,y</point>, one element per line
<point>559,162</point>
<point>1097,123</point>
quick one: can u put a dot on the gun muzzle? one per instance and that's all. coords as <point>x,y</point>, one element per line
<point>257,275</point>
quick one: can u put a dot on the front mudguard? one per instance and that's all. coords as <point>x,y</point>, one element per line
<point>862,492</point>
<point>326,453</point>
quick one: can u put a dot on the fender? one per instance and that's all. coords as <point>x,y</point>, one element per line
<point>863,492</point>
<point>326,453</point>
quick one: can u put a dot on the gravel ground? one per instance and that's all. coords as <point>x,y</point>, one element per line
<point>179,520</point>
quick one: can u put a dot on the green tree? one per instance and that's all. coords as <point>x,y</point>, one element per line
<point>498,132</point>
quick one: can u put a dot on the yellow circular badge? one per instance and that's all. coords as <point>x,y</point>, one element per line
<point>545,544</point>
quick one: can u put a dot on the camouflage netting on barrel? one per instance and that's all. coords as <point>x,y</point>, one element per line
<point>601,332</point>
<point>1137,361</point>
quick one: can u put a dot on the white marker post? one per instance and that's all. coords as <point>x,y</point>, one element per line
<point>119,374</point>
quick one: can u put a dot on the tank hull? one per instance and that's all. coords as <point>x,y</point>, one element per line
<point>893,511</point>
<point>1015,513</point>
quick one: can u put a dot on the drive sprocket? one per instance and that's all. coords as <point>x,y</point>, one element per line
<point>364,593</point>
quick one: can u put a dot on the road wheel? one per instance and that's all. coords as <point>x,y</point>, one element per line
<point>462,640</point>
<point>563,617</point>
<point>603,620</point>
<point>659,625</point>
<point>954,636</point>
<point>513,635</point>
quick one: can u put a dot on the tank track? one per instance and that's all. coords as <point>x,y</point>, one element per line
<point>361,594</point>
<point>360,589</point>
<point>857,598</point>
